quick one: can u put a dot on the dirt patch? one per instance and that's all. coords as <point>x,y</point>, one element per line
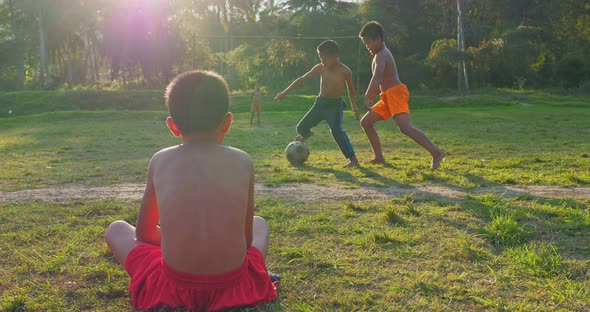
<point>306,192</point>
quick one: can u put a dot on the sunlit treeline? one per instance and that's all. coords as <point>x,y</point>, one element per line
<point>50,44</point>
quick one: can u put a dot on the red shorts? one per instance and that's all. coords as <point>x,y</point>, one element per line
<point>393,101</point>
<point>155,285</point>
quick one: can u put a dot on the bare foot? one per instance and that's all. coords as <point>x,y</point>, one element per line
<point>437,159</point>
<point>376,161</point>
<point>352,164</point>
<point>302,139</point>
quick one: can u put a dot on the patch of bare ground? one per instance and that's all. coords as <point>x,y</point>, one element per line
<point>306,192</point>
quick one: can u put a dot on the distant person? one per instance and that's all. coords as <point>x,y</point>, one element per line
<point>394,96</point>
<point>329,105</point>
<point>255,106</point>
<point>197,244</point>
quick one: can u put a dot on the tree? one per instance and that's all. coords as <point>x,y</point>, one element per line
<point>39,14</point>
<point>462,79</point>
<point>136,34</point>
<point>18,39</point>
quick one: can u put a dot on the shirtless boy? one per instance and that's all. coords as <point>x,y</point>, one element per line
<point>394,97</point>
<point>255,106</point>
<point>328,104</point>
<point>197,244</point>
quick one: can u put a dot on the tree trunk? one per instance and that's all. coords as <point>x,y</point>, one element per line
<point>20,62</point>
<point>90,60</point>
<point>93,61</point>
<point>68,52</point>
<point>43,49</point>
<point>462,80</point>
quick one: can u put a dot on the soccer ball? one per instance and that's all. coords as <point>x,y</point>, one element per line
<point>296,153</point>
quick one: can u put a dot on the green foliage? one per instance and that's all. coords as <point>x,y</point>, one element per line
<point>245,61</point>
<point>284,57</point>
<point>504,229</point>
<point>543,43</point>
<point>573,70</point>
<point>443,57</point>
<point>537,260</point>
<point>444,52</point>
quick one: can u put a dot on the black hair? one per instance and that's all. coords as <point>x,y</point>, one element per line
<point>328,47</point>
<point>197,100</point>
<point>371,30</point>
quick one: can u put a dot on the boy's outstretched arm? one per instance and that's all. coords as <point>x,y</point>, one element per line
<point>298,82</point>
<point>352,94</point>
<point>373,87</point>
<point>147,229</point>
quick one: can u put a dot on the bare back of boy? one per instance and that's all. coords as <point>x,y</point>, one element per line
<point>333,79</point>
<point>203,194</point>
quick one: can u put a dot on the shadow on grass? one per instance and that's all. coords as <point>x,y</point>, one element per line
<point>345,175</point>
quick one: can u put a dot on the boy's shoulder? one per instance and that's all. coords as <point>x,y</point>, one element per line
<point>235,159</point>
<point>237,153</point>
<point>344,67</point>
<point>167,150</point>
<point>165,153</point>
<point>233,153</point>
<point>318,67</point>
<point>385,53</point>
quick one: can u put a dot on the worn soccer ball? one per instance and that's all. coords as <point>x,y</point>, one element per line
<point>296,153</point>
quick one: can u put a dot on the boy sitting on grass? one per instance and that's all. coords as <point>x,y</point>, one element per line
<point>197,244</point>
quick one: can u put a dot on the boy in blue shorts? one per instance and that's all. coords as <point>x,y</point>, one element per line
<point>329,104</point>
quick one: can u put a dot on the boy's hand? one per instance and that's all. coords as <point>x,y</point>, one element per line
<point>279,97</point>
<point>356,111</point>
<point>367,103</point>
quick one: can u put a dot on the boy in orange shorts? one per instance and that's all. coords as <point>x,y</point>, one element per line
<point>197,244</point>
<point>394,97</point>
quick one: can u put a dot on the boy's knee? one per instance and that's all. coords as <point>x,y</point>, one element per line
<point>337,132</point>
<point>260,223</point>
<point>115,228</point>
<point>260,220</point>
<point>366,123</point>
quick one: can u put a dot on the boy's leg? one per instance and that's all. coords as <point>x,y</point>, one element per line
<point>367,122</point>
<point>334,119</point>
<point>258,118</point>
<point>120,237</point>
<point>406,127</point>
<point>260,235</point>
<point>310,120</point>
<point>260,241</point>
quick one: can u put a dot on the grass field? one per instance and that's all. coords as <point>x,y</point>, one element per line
<point>485,251</point>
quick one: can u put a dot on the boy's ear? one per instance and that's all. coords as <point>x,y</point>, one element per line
<point>226,123</point>
<point>172,126</point>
